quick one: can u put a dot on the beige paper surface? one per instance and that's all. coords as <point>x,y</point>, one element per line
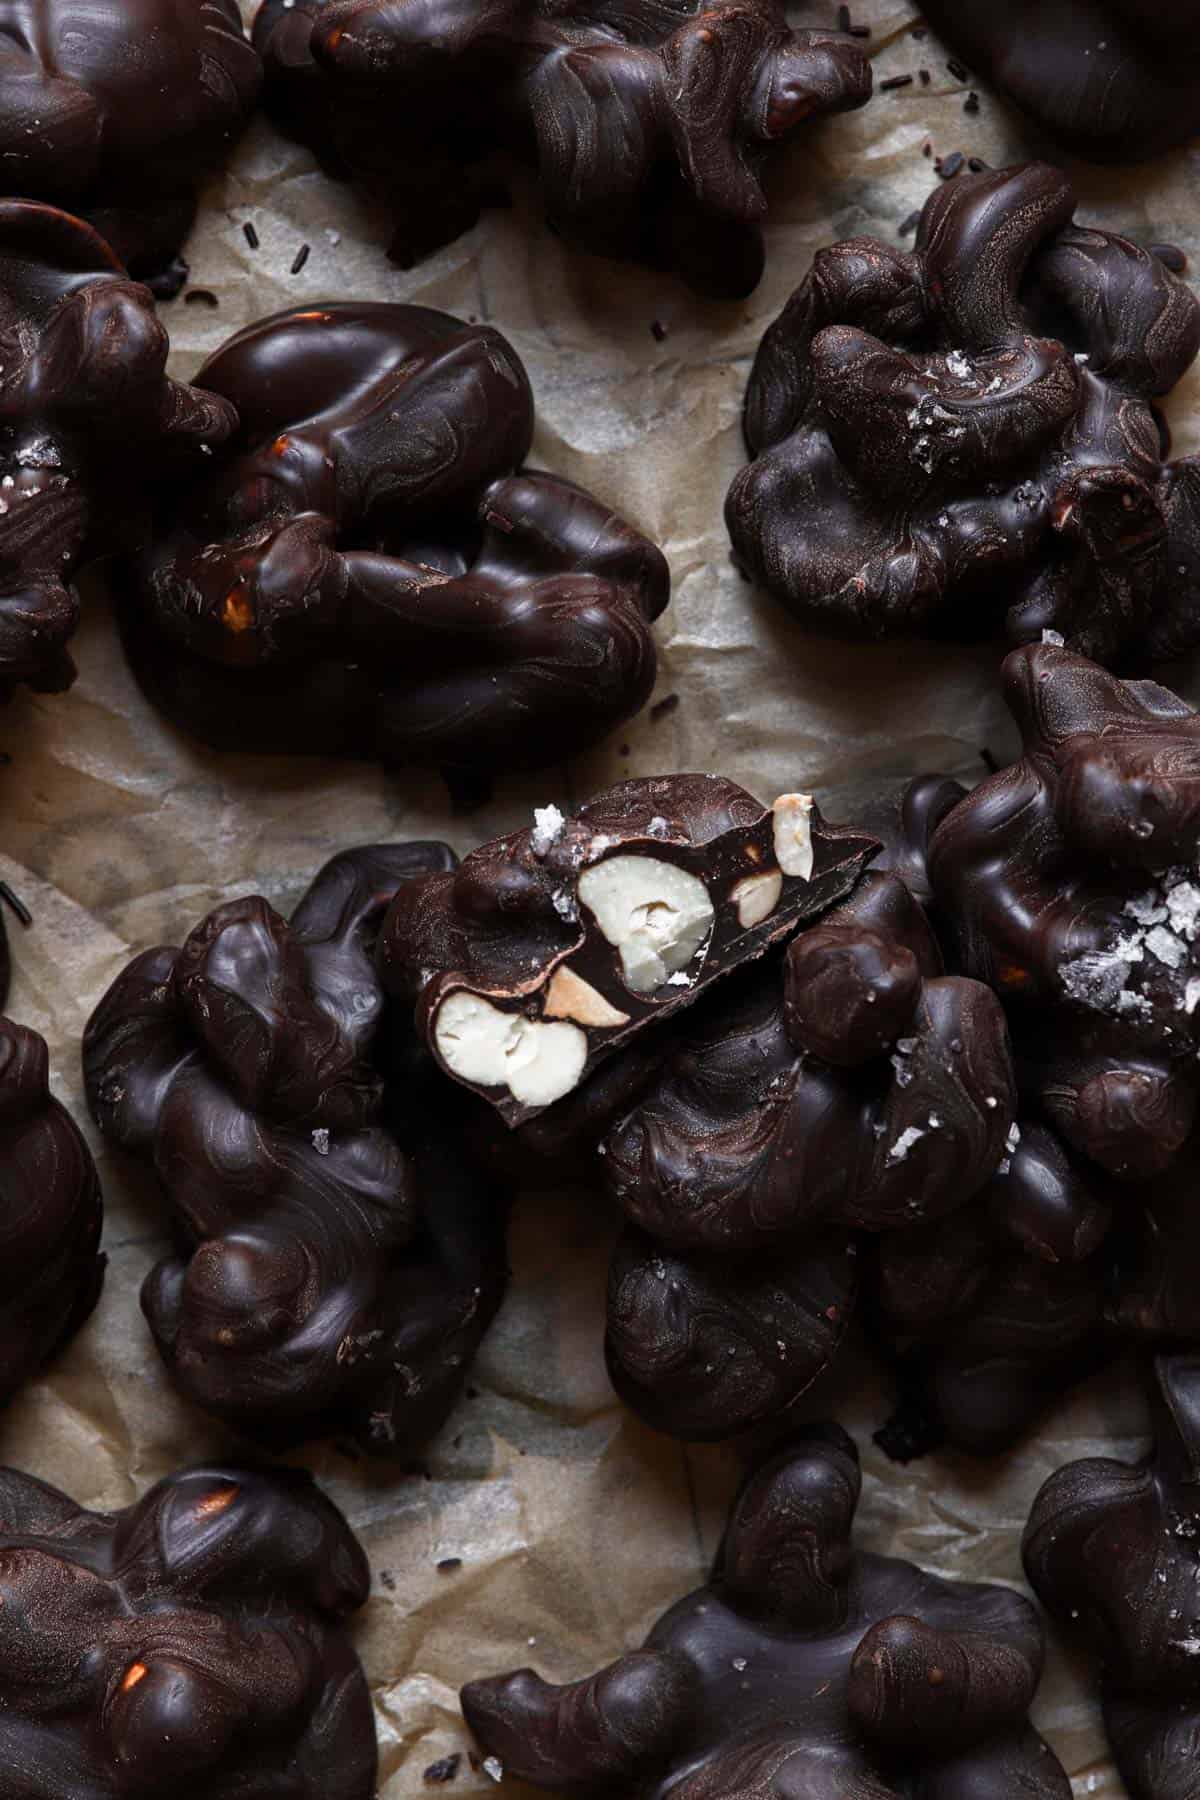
<point>574,1525</point>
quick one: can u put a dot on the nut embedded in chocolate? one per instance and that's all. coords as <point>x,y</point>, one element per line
<point>1113,1551</point>
<point>50,1214</point>
<point>804,1667</point>
<point>552,948</point>
<point>368,570</point>
<point>1112,80</point>
<point>966,436</point>
<point>195,1644</point>
<point>89,419</point>
<point>117,108</point>
<point>340,1260</point>
<point>649,124</point>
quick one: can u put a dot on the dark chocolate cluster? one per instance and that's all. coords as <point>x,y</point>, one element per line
<point>50,1214</point>
<point>87,419</point>
<point>553,948</point>
<point>965,435</point>
<point>649,121</point>
<point>804,1666</point>
<point>369,570</point>
<point>339,1261</point>
<point>194,1644</point>
<point>1113,1551</point>
<point>1112,80</point>
<point>117,108</point>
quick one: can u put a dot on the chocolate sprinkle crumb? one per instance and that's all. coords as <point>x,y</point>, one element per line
<point>302,256</point>
<point>971,103</point>
<point>662,707</point>
<point>250,235</point>
<point>957,69</point>
<point>895,81</point>
<point>200,297</point>
<point>949,166</point>
<point>658,331</point>
<point>924,77</point>
<point>443,1771</point>
<point>17,905</point>
<point>448,1565</point>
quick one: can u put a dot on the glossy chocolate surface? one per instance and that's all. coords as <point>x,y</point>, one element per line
<point>339,1260</point>
<point>649,121</point>
<point>964,437</point>
<point>804,1667</point>
<point>87,419</point>
<point>50,1214</point>
<point>116,108</point>
<point>193,1645</point>
<point>1113,1551</point>
<point>1112,80</point>
<point>550,949</point>
<point>368,569</point>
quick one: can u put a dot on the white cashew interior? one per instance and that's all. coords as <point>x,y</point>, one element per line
<point>538,1063</point>
<point>656,914</point>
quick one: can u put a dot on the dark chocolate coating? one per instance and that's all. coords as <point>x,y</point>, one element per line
<point>649,121</point>
<point>50,1215</point>
<point>115,109</point>
<point>850,1085</point>
<point>87,419</point>
<point>516,935</point>
<point>368,570</point>
<point>804,1667</point>
<point>964,437</point>
<point>339,1261</point>
<point>1112,80</point>
<point>1113,1551</point>
<point>194,1644</point>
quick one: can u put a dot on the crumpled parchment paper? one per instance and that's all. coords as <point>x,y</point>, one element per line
<point>569,1525</point>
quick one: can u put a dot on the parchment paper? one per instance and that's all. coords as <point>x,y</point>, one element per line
<point>573,1524</point>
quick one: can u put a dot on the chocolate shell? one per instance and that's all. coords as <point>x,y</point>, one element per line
<point>649,124</point>
<point>965,437</point>
<point>368,570</point>
<point>803,1667</point>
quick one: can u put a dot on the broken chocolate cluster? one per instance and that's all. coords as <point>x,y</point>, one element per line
<point>50,1214</point>
<point>194,1644</point>
<point>1113,1551</point>
<point>966,435</point>
<point>89,418</point>
<point>368,570</point>
<point>1113,80</point>
<point>549,950</point>
<point>804,1666</point>
<point>649,122</point>
<point>117,108</point>
<point>340,1260</point>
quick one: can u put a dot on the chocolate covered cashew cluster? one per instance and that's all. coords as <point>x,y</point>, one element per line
<point>965,436</point>
<point>1113,80</point>
<point>550,949</point>
<point>89,418</point>
<point>339,1259</point>
<point>804,1666</point>
<point>117,108</point>
<point>1113,1551</point>
<point>649,122</point>
<point>50,1214</point>
<point>195,1644</point>
<point>369,570</point>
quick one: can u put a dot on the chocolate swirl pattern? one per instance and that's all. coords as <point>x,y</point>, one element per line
<point>339,1261</point>
<point>803,1666</point>
<point>194,1644</point>
<point>965,436</point>
<point>649,121</point>
<point>370,571</point>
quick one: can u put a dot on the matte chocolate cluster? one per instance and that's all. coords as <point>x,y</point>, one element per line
<point>804,1666</point>
<point>1113,1551</point>
<point>117,108</point>
<point>370,571</point>
<point>338,1262</point>
<point>848,1085</point>
<point>649,121</point>
<point>50,1214</point>
<point>87,419</point>
<point>965,435</point>
<point>1113,80</point>
<point>550,949</point>
<point>193,1645</point>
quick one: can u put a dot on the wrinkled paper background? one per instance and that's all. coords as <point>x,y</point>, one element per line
<point>575,1526</point>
